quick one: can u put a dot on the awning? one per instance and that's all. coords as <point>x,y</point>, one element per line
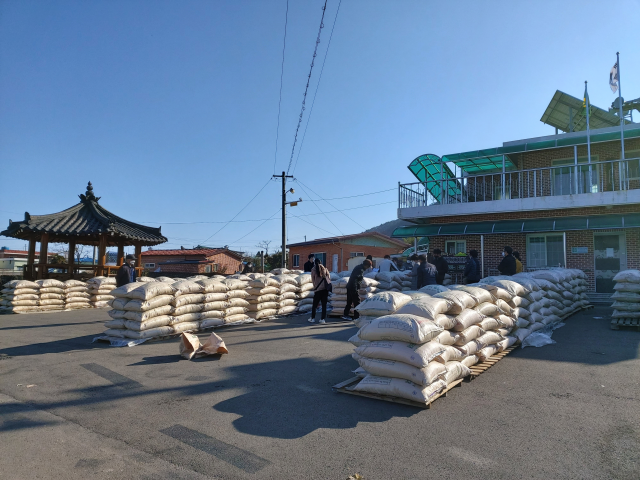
<point>559,224</point>
<point>430,170</point>
<point>567,114</point>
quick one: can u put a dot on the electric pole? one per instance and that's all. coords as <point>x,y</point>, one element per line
<point>284,216</point>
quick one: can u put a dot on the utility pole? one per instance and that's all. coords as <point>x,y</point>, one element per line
<point>284,216</point>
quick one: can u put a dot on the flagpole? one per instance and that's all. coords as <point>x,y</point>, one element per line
<point>621,118</point>
<point>586,99</point>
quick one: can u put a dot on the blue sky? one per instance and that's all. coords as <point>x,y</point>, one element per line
<point>170,108</point>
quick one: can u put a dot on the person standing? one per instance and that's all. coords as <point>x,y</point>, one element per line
<point>127,272</point>
<point>508,264</point>
<point>519,268</point>
<point>426,272</point>
<point>414,271</point>
<point>387,265</point>
<point>442,267</point>
<point>353,285</point>
<point>248,268</point>
<point>308,266</point>
<point>471,269</point>
<point>321,280</point>
<point>370,269</point>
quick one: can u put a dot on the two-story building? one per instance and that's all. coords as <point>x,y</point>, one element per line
<point>545,197</point>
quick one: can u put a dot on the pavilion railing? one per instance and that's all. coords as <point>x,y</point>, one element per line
<point>572,179</point>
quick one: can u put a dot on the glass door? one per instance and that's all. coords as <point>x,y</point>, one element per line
<point>610,257</point>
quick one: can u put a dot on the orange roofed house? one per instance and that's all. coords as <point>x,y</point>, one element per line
<point>203,260</point>
<point>334,252</point>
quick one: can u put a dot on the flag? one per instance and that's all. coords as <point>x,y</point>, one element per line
<point>613,78</point>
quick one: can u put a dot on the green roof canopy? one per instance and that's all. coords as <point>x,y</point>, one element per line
<point>427,168</point>
<point>559,224</point>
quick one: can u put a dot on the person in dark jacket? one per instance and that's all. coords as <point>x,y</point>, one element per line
<point>471,269</point>
<point>508,264</point>
<point>127,272</point>
<point>248,268</point>
<point>442,267</point>
<point>353,285</point>
<point>308,266</point>
<point>426,272</point>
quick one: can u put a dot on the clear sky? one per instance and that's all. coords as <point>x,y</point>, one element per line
<point>170,107</point>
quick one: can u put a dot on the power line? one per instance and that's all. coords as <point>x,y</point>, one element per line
<point>284,45</point>
<point>361,195</point>
<point>270,218</point>
<point>325,216</point>
<point>254,197</point>
<point>304,98</point>
<point>317,87</point>
<point>341,211</point>
<point>312,224</point>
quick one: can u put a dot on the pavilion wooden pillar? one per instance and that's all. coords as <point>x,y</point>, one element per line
<point>102,254</point>
<point>31,257</point>
<point>138,255</point>
<point>120,254</point>
<point>72,258</point>
<point>42,264</point>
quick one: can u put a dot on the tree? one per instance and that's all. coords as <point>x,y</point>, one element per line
<point>273,261</point>
<point>61,252</point>
<point>264,245</point>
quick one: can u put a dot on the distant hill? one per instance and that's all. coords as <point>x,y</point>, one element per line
<point>387,228</point>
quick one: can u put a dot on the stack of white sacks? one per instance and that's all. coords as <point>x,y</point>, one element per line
<point>288,289</point>
<point>392,281</point>
<point>305,293</point>
<point>76,295</point>
<point>52,294</point>
<point>626,297</point>
<point>19,296</point>
<point>429,339</point>
<point>237,301</point>
<point>263,297</point>
<point>100,291</point>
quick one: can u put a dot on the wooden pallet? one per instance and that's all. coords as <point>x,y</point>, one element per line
<point>480,368</point>
<point>348,385</point>
<point>616,323</point>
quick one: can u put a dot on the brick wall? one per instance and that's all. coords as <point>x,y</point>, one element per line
<point>342,250</point>
<point>494,244</point>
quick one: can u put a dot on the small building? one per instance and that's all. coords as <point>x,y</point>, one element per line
<point>18,254</point>
<point>199,260</point>
<point>553,199</point>
<point>335,252</point>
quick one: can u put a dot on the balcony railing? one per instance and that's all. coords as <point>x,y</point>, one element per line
<point>582,178</point>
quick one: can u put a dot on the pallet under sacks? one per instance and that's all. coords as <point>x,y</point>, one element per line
<point>413,350</point>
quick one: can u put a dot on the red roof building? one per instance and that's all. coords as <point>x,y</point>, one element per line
<point>203,260</point>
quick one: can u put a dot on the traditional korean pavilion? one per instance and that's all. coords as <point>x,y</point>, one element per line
<point>86,223</point>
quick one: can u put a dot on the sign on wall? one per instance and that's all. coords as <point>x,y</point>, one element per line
<point>579,249</point>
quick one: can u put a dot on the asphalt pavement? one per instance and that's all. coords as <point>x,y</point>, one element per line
<point>70,408</point>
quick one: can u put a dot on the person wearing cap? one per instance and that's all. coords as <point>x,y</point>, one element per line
<point>127,272</point>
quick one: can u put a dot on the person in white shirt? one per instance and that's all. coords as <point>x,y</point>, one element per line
<point>387,265</point>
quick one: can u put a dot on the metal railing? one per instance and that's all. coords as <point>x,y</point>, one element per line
<point>582,178</point>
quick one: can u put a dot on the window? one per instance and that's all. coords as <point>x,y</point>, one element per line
<point>296,260</point>
<point>322,257</point>
<point>564,182</point>
<point>633,166</point>
<point>453,247</point>
<point>545,250</point>
<point>207,269</point>
<point>149,265</point>
<point>356,254</point>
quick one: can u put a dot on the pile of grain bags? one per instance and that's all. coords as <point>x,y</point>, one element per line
<point>51,295</point>
<point>626,299</point>
<point>263,297</point>
<point>338,297</point>
<point>187,305</point>
<point>429,342</point>
<point>390,281</point>
<point>141,311</point>
<point>214,303</point>
<point>19,296</point>
<point>76,295</point>
<point>238,304</point>
<point>100,291</point>
<point>287,293</point>
<point>305,293</point>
